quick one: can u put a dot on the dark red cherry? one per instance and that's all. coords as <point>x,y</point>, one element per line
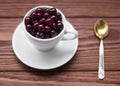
<point>54,26</point>
<point>39,10</point>
<point>60,25</point>
<point>59,16</point>
<point>40,35</point>
<point>42,21</point>
<point>46,10</point>
<point>53,17</point>
<point>59,21</point>
<point>47,29</point>
<point>28,27</point>
<point>41,27</point>
<point>53,33</point>
<point>33,16</point>
<point>27,20</point>
<point>46,15</point>
<point>52,11</point>
<point>35,25</point>
<point>39,15</point>
<point>49,21</point>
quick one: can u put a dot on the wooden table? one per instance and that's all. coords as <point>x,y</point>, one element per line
<point>82,69</point>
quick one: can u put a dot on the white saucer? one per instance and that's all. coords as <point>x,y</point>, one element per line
<point>34,58</point>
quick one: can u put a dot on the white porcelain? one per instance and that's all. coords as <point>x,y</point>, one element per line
<point>48,44</point>
<point>32,57</point>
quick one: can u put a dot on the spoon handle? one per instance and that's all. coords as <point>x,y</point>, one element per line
<point>101,61</point>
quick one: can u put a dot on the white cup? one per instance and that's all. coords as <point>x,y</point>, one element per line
<point>48,44</point>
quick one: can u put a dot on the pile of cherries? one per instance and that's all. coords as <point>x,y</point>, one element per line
<point>44,23</point>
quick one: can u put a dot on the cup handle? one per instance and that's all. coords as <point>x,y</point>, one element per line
<point>72,33</point>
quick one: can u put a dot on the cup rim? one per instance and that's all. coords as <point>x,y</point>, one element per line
<point>49,39</point>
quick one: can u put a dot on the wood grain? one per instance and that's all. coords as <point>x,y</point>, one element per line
<point>60,78</point>
<point>80,8</point>
<point>86,57</point>
<point>82,69</point>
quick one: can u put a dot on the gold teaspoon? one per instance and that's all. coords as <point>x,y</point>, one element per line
<point>101,31</point>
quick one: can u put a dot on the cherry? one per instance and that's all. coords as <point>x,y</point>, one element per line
<point>53,33</point>
<point>33,16</point>
<point>59,16</point>
<point>42,21</point>
<point>47,29</point>
<point>52,11</point>
<point>39,15</point>
<point>60,26</point>
<point>28,27</point>
<point>59,21</point>
<point>40,35</point>
<point>53,17</point>
<point>39,10</point>
<point>35,25</point>
<point>41,27</point>
<point>54,26</point>
<point>27,20</point>
<point>47,10</point>
<point>46,15</point>
<point>49,21</point>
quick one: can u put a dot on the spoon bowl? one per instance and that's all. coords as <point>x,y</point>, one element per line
<point>101,29</point>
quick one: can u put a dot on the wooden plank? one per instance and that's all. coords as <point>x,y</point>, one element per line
<point>86,57</point>
<point>8,26</point>
<point>45,78</point>
<point>76,8</point>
